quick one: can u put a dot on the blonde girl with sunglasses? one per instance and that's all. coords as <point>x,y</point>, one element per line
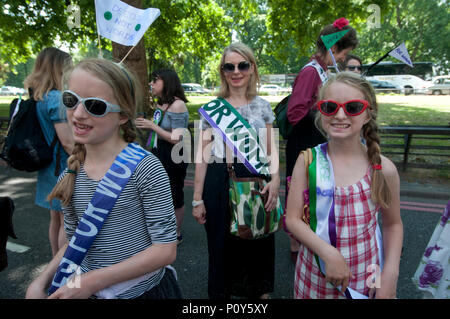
<point>342,252</point>
<point>129,254</point>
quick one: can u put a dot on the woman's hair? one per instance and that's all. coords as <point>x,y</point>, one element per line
<point>172,87</point>
<point>380,189</point>
<point>352,57</point>
<point>349,40</point>
<point>127,93</point>
<point>349,57</point>
<point>47,72</point>
<point>248,55</point>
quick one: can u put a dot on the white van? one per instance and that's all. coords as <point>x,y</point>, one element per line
<point>409,84</point>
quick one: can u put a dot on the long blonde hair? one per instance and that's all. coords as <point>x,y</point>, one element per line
<point>127,93</point>
<point>380,190</point>
<point>248,55</point>
<point>47,72</point>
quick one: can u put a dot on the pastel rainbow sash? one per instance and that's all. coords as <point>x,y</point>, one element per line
<point>322,204</point>
<point>153,137</point>
<point>102,202</point>
<point>322,73</point>
<point>237,133</point>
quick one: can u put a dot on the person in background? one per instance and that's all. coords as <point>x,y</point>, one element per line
<point>171,101</point>
<point>44,84</point>
<point>352,63</point>
<point>301,105</point>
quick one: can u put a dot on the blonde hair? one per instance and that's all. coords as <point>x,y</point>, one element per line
<point>380,190</point>
<point>47,72</point>
<point>248,55</point>
<point>127,93</point>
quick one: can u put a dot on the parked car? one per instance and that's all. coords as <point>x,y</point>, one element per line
<point>441,85</point>
<point>384,86</point>
<point>11,90</point>
<point>409,84</point>
<point>273,89</point>
<point>194,88</point>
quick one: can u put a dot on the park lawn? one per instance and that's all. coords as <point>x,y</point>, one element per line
<point>407,110</point>
<point>392,109</point>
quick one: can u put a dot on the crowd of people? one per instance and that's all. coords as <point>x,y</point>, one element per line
<point>117,207</point>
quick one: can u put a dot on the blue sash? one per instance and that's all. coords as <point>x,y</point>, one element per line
<point>102,202</point>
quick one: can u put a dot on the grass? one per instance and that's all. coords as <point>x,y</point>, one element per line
<point>393,109</point>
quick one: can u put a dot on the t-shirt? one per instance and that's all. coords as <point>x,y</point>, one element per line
<point>49,113</point>
<point>258,113</point>
<point>142,215</point>
<point>173,120</point>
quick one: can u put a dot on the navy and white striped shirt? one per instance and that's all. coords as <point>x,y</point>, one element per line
<point>142,215</point>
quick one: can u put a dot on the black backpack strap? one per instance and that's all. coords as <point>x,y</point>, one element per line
<point>58,154</point>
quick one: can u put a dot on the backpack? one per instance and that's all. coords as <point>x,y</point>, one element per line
<point>25,147</point>
<point>284,127</point>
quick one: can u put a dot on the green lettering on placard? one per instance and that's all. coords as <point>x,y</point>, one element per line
<point>330,39</point>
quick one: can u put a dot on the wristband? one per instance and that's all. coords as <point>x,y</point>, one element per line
<point>196,203</point>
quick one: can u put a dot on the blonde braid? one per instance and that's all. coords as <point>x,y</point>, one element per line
<point>129,133</point>
<point>64,188</point>
<point>380,188</point>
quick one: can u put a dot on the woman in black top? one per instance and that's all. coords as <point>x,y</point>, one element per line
<point>166,86</point>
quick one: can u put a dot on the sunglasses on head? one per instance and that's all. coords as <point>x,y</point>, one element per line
<point>351,108</point>
<point>354,67</point>
<point>93,105</point>
<point>230,67</point>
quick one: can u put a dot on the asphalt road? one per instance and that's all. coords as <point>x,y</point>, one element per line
<point>31,227</point>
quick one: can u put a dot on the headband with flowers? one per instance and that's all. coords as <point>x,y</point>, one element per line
<point>340,23</point>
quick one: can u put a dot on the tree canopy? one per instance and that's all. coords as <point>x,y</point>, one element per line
<point>191,34</point>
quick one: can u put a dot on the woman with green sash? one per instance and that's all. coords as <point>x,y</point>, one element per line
<point>238,267</point>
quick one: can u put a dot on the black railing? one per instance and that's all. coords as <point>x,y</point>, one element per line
<point>429,145</point>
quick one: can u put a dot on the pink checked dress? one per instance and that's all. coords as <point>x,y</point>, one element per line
<point>356,223</point>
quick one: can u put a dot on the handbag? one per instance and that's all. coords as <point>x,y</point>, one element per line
<point>249,218</point>
<point>308,158</point>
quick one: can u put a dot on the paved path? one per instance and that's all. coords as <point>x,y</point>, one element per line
<point>31,251</point>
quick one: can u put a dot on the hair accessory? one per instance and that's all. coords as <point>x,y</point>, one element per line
<point>71,171</point>
<point>377,167</point>
<point>126,74</point>
<point>340,23</point>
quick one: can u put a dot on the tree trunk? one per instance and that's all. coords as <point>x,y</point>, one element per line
<point>136,61</point>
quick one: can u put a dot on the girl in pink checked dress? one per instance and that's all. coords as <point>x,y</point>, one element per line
<point>342,253</point>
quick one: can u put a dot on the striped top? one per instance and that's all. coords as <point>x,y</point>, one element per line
<point>142,215</point>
